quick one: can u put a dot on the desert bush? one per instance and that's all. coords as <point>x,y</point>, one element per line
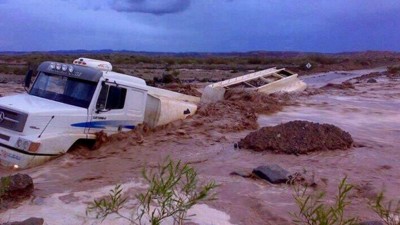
<point>314,211</point>
<point>20,70</point>
<point>169,61</point>
<point>144,59</point>
<point>4,183</point>
<point>216,60</point>
<point>254,61</point>
<point>324,60</point>
<point>175,73</point>
<point>393,69</point>
<point>167,78</point>
<point>118,60</point>
<point>363,62</point>
<point>185,61</point>
<point>389,212</point>
<point>5,69</point>
<point>117,69</point>
<point>173,189</point>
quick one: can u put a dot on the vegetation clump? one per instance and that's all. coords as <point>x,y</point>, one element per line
<point>389,212</point>
<point>173,189</point>
<point>313,210</point>
<point>4,184</point>
<point>394,69</point>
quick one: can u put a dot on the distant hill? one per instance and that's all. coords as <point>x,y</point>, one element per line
<point>278,54</point>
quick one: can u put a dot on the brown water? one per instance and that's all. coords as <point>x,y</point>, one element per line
<point>369,113</point>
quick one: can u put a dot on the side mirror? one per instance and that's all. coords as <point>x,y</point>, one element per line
<point>28,79</point>
<point>101,108</point>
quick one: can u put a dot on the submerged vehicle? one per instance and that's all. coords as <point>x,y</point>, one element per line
<point>68,103</point>
<point>72,102</point>
<point>268,81</point>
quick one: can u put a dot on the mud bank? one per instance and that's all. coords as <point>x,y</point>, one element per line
<point>297,137</point>
<point>239,111</point>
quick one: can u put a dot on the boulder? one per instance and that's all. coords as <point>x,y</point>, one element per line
<point>19,186</point>
<point>372,80</point>
<point>30,221</point>
<point>272,173</point>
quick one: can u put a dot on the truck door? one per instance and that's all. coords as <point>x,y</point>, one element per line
<point>109,115</point>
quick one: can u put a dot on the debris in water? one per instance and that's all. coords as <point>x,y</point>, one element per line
<point>342,86</point>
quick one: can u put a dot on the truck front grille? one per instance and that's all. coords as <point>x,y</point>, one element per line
<point>12,120</point>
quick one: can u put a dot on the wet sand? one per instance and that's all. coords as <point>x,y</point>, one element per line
<point>369,113</point>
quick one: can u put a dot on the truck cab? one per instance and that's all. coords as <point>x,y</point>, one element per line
<point>67,103</point>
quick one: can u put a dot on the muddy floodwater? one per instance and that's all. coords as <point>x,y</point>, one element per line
<point>369,112</point>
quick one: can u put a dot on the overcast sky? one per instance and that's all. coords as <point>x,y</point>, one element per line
<point>200,25</point>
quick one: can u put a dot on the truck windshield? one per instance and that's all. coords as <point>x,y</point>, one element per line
<point>63,89</point>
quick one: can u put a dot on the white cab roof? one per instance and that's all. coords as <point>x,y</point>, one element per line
<point>124,78</point>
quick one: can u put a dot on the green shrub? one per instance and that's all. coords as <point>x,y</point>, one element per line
<point>314,211</point>
<point>173,189</point>
<point>389,212</point>
<point>4,184</point>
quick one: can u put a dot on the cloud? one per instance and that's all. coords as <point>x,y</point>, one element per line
<point>202,25</point>
<point>157,7</point>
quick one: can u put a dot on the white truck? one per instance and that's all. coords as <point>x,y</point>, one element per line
<point>72,102</point>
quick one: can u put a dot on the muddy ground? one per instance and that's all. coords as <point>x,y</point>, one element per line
<point>369,112</point>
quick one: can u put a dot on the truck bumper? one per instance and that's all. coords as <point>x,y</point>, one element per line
<point>12,158</point>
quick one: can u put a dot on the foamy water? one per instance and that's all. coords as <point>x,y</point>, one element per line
<point>70,208</point>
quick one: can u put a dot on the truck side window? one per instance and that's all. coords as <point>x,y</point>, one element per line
<point>111,97</point>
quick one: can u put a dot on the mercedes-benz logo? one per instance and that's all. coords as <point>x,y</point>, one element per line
<point>2,116</point>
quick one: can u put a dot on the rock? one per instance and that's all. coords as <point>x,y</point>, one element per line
<point>272,173</point>
<point>20,186</point>
<point>372,80</point>
<point>30,221</point>
<point>371,223</point>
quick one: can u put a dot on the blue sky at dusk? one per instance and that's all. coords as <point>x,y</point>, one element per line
<point>200,25</point>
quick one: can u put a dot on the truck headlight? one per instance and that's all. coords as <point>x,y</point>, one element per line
<point>27,145</point>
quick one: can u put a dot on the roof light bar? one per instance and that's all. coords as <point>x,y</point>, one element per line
<point>97,64</point>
